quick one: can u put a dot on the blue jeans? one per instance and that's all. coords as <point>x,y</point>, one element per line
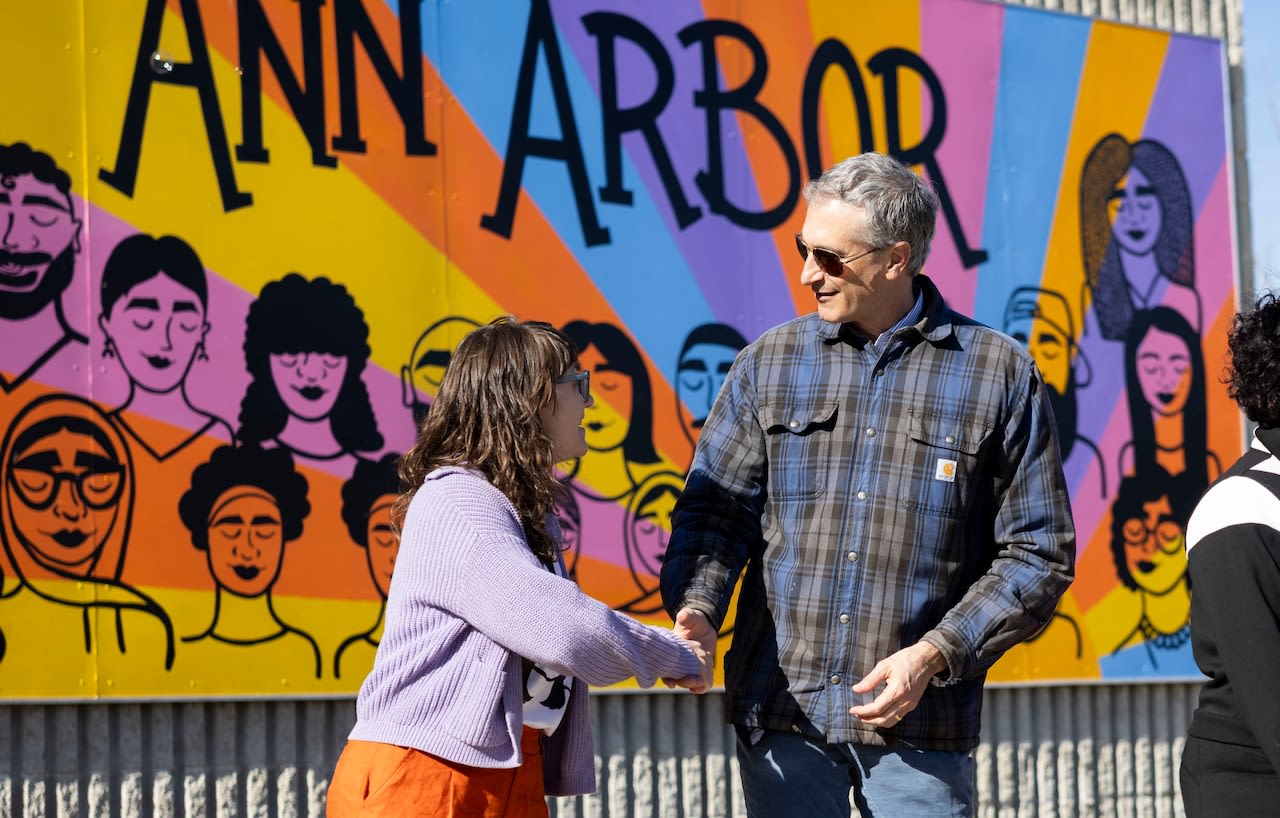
<point>786,775</point>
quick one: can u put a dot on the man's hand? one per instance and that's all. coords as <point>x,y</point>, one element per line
<point>693,626</point>
<point>905,675</point>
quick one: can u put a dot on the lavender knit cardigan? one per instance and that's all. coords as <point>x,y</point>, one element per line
<point>468,599</point>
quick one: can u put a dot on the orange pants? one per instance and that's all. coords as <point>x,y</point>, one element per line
<point>374,780</point>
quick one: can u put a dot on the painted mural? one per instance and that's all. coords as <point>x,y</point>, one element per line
<point>239,241</point>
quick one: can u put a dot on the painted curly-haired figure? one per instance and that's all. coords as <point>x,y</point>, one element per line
<point>306,344</point>
<point>242,508</point>
<point>1148,529</point>
<point>38,248</point>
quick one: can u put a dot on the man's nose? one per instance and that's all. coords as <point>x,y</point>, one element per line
<point>811,274</point>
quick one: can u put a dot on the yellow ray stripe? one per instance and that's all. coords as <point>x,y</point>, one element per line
<point>866,29</point>
<point>1121,69</point>
<point>316,221</point>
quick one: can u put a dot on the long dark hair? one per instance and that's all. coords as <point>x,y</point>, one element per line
<point>485,417</point>
<point>294,315</point>
<point>1194,418</point>
<point>1174,249</point>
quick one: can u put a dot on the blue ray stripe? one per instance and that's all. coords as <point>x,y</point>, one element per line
<point>1042,60</point>
<point>642,273</point>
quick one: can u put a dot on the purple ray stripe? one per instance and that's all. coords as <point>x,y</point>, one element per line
<point>1196,132</point>
<point>738,270</point>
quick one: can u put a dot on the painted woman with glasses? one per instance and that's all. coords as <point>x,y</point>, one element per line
<point>68,495</point>
<point>1148,539</point>
<point>476,705</point>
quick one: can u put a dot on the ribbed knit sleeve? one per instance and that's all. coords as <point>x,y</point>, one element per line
<point>480,569</point>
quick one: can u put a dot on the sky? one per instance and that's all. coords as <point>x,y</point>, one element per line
<point>1262,134</point>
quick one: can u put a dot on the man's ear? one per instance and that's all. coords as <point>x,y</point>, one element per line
<point>899,257</point>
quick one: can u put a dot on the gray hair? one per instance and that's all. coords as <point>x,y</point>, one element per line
<point>899,205</point>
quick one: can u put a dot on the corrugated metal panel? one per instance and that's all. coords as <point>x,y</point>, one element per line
<point>1068,751</point>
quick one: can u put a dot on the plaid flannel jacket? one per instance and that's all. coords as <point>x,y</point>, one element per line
<point>875,498</point>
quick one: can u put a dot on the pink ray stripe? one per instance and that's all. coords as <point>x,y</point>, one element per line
<point>961,42</point>
<point>215,386</point>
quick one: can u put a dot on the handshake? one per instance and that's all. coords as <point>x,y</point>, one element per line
<point>695,629</point>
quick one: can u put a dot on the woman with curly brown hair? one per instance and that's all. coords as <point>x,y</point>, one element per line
<point>476,705</point>
<point>1231,761</point>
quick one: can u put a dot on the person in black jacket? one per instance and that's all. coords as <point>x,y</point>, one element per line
<point>1231,761</point>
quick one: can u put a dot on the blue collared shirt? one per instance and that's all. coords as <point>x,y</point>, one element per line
<point>876,497</point>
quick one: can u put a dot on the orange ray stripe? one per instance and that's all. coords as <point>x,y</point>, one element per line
<point>785,32</point>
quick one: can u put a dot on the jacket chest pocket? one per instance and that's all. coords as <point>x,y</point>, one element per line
<point>941,463</point>
<point>799,444</point>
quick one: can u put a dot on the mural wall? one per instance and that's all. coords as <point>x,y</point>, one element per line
<point>239,239</point>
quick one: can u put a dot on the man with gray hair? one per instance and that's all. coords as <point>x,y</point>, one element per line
<point>886,472</point>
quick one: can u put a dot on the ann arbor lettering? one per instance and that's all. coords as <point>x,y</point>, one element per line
<point>305,98</point>
<point>304,92</point>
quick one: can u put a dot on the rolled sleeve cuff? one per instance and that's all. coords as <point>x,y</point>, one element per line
<point>952,653</point>
<point>701,600</point>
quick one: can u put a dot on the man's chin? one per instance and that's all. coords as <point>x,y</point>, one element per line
<point>832,314</point>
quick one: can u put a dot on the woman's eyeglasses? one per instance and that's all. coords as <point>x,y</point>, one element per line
<point>1166,533</point>
<point>582,380</point>
<point>99,488</point>
<point>828,262</point>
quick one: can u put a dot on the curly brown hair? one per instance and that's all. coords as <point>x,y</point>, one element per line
<point>485,417</point>
<point>1254,372</point>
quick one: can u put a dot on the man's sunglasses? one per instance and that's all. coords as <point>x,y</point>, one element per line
<point>827,261</point>
<point>582,380</point>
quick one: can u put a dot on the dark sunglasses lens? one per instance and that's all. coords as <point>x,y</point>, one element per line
<point>827,261</point>
<point>584,386</point>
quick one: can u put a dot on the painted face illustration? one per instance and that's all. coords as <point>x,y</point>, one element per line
<point>1153,548</point>
<point>1050,348</point>
<point>383,544</point>
<point>308,382</point>
<point>38,242</point>
<point>1164,371</point>
<point>1134,211</point>
<point>155,328</point>
<point>430,358</point>
<point>606,425</point>
<point>64,492</point>
<point>246,541</point>
<point>699,376</point>
<point>650,527</point>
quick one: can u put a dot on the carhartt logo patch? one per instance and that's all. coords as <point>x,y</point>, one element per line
<point>946,471</point>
